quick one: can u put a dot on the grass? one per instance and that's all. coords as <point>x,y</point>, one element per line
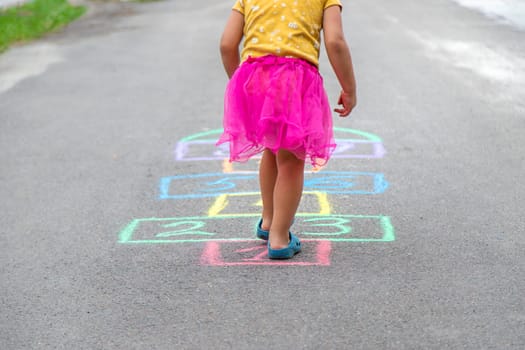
<point>34,19</point>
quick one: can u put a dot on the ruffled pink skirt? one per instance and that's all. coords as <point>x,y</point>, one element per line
<point>277,103</point>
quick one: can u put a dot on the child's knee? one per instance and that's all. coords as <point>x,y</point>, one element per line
<point>288,160</point>
<point>286,156</point>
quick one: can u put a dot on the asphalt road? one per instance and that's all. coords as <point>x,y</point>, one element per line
<point>121,226</point>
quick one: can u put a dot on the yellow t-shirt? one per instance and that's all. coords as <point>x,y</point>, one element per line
<point>289,28</point>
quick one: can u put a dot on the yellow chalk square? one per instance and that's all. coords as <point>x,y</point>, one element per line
<point>249,203</point>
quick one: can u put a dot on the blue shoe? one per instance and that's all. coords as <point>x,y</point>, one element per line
<point>293,248</point>
<point>262,234</point>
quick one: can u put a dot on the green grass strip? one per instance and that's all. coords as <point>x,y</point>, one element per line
<point>33,19</point>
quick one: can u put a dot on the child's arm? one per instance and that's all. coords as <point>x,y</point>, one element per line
<point>340,58</point>
<point>230,40</point>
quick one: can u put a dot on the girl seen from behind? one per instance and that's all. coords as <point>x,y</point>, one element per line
<point>275,101</point>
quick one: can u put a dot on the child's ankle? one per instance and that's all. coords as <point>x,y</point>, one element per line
<point>266,224</point>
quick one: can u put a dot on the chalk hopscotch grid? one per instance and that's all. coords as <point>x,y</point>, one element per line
<point>232,184</point>
<point>216,184</point>
<point>196,226</point>
<point>212,255</point>
<point>346,149</point>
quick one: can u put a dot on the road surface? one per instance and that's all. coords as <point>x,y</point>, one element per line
<point>122,227</point>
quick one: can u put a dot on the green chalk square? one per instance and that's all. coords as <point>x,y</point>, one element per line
<point>334,228</point>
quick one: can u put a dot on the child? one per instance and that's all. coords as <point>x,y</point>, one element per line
<point>275,101</point>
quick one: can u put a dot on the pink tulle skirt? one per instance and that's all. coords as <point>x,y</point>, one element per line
<point>277,103</point>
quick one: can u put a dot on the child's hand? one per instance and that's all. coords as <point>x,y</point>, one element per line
<point>348,101</point>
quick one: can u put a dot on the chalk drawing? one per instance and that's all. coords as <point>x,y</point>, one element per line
<point>339,223</point>
<point>249,203</point>
<point>314,253</point>
<point>334,228</point>
<point>237,203</point>
<point>199,147</point>
<point>216,184</point>
<point>184,228</point>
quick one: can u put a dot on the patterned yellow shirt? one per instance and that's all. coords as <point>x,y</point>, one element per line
<point>288,28</point>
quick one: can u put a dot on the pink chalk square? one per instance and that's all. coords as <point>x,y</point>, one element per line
<point>245,253</point>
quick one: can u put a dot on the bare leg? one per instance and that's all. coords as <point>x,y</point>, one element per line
<point>267,178</point>
<point>286,197</point>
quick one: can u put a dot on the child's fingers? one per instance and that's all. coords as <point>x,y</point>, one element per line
<point>347,101</point>
<point>343,112</point>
